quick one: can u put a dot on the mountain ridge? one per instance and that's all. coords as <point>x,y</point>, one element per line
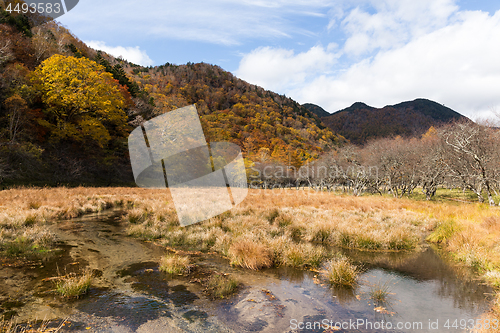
<point>360,122</point>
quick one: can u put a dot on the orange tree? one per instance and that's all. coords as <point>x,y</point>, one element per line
<point>82,102</point>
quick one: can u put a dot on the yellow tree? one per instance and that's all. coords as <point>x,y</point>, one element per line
<point>82,100</point>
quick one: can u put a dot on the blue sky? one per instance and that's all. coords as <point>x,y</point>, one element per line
<point>328,52</point>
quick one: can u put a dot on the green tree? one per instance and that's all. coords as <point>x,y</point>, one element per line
<point>82,101</point>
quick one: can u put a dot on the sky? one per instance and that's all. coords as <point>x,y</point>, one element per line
<point>328,52</point>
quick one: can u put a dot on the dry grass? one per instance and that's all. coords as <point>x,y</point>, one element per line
<point>175,264</point>
<point>379,293</point>
<point>279,222</point>
<point>43,327</point>
<point>283,231</point>
<point>303,254</point>
<point>25,212</point>
<point>249,254</point>
<point>221,286</point>
<point>341,272</point>
<point>278,227</point>
<point>74,285</point>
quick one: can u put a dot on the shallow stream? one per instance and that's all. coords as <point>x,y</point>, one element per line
<point>131,295</point>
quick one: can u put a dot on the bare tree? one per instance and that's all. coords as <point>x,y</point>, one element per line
<point>5,51</point>
<point>432,169</point>
<point>353,169</point>
<point>41,43</point>
<point>470,156</point>
<point>326,172</point>
<point>399,162</point>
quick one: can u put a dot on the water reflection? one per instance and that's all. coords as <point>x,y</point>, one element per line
<point>448,280</point>
<point>414,287</point>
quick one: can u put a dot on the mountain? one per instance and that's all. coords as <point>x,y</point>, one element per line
<point>316,109</point>
<point>360,122</point>
<point>57,130</point>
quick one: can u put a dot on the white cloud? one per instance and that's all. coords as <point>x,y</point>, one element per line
<point>456,65</point>
<point>280,69</point>
<point>132,54</point>
<point>394,51</point>
<point>392,23</point>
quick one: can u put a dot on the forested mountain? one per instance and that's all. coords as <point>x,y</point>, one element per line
<point>66,110</point>
<point>360,122</point>
<point>259,121</point>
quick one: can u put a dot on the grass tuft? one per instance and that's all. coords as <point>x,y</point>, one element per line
<point>34,205</point>
<point>175,264</point>
<point>379,293</point>
<point>221,286</point>
<point>250,254</point>
<point>73,285</point>
<point>341,272</point>
<point>301,255</point>
<point>444,231</point>
<point>493,277</point>
<point>272,215</point>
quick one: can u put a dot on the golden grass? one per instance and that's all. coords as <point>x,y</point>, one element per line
<point>341,272</point>
<point>303,254</point>
<point>175,264</point>
<point>74,285</point>
<point>24,213</point>
<point>368,222</point>
<point>271,227</point>
<point>249,254</point>
<point>280,227</point>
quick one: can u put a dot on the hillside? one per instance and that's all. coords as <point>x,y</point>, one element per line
<point>317,110</point>
<point>360,122</point>
<point>54,129</point>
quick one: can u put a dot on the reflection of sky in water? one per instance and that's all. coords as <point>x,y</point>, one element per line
<point>409,300</point>
<point>421,288</point>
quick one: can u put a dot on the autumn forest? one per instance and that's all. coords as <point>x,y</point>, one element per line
<point>66,110</point>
